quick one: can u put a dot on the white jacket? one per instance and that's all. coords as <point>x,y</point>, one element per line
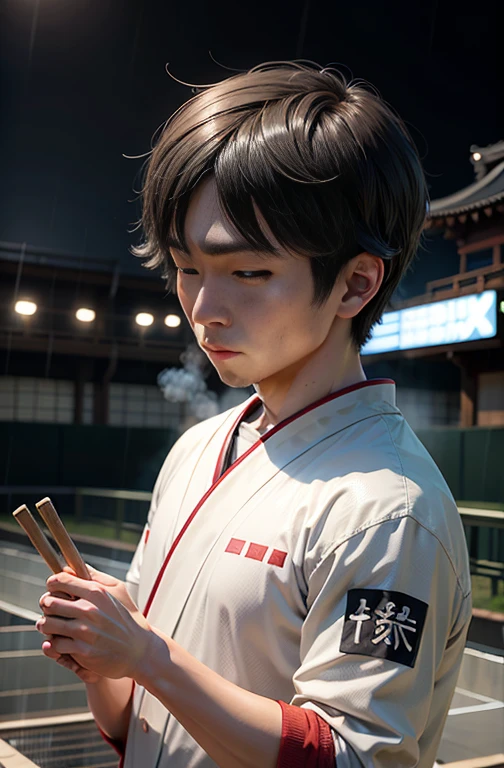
<point>327,568</point>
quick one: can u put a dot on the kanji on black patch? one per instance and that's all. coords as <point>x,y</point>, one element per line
<point>383,624</point>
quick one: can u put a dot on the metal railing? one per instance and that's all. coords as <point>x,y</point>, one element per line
<point>120,510</point>
<point>125,511</point>
<point>484,529</point>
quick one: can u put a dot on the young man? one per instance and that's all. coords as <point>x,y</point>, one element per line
<point>302,585</point>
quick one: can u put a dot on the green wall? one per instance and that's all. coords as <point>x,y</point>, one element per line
<point>75,455</point>
<point>472,460</point>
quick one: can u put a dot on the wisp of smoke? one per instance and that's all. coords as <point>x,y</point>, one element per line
<point>187,385</point>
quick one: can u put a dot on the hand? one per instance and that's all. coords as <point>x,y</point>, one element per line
<point>65,660</point>
<point>101,629</point>
<point>115,587</point>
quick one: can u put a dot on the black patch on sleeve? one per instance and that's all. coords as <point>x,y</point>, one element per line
<point>384,625</point>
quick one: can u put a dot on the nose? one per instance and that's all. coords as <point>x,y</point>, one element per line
<point>210,307</point>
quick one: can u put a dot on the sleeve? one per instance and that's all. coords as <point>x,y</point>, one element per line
<point>133,575</point>
<point>381,644</point>
<point>176,454</point>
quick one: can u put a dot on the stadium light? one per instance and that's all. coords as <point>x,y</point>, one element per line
<point>25,307</point>
<point>172,321</point>
<point>144,319</point>
<point>85,315</point>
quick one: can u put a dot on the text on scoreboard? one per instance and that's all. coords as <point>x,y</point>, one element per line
<point>452,321</point>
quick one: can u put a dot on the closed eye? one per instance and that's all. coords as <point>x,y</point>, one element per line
<point>242,274</point>
<point>262,274</point>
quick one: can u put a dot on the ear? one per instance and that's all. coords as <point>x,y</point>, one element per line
<point>362,278</point>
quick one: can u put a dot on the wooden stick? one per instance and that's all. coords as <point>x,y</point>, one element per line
<point>38,538</point>
<point>68,549</point>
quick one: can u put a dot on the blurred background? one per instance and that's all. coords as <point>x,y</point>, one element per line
<point>97,373</point>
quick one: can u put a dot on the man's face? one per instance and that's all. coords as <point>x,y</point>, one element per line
<point>252,314</point>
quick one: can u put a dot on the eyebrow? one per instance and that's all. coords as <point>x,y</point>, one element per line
<point>217,248</point>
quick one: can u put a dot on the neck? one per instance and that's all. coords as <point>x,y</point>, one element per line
<point>334,365</point>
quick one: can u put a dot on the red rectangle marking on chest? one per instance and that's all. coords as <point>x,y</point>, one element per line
<point>235,546</point>
<point>256,551</point>
<point>277,557</point>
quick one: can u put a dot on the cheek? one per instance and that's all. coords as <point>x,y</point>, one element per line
<point>289,314</point>
<point>186,301</point>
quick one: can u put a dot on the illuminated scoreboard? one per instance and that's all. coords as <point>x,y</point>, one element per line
<point>466,318</point>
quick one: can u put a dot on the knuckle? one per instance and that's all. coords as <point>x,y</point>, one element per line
<point>85,631</point>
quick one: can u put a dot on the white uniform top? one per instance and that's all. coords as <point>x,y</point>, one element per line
<point>327,567</point>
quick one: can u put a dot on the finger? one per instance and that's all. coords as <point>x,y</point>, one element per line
<point>65,582</point>
<point>54,626</point>
<point>49,651</point>
<point>61,646</point>
<point>101,578</point>
<point>58,606</point>
<point>47,597</point>
<point>65,660</point>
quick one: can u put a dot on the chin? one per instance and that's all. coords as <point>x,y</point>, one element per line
<point>234,380</point>
<point>237,379</point>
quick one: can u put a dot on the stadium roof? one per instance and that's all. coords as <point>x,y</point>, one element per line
<point>486,192</point>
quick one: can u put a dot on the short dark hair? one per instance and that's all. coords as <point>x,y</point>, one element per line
<point>331,167</point>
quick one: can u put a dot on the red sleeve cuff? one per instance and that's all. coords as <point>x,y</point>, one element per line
<point>307,740</point>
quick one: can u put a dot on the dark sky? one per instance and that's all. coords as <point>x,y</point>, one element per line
<point>84,82</point>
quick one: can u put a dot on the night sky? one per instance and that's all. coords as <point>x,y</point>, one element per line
<point>84,83</point>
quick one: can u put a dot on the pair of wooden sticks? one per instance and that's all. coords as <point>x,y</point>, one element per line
<point>61,536</point>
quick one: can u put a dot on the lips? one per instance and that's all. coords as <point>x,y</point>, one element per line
<point>215,348</point>
<point>216,353</point>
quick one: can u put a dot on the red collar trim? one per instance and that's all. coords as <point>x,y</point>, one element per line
<point>263,438</point>
<point>255,402</point>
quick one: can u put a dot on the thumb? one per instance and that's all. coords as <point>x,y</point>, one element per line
<point>101,577</point>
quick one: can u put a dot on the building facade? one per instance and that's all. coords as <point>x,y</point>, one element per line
<point>456,327</point>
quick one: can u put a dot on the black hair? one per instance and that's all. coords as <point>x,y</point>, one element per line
<point>330,166</point>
